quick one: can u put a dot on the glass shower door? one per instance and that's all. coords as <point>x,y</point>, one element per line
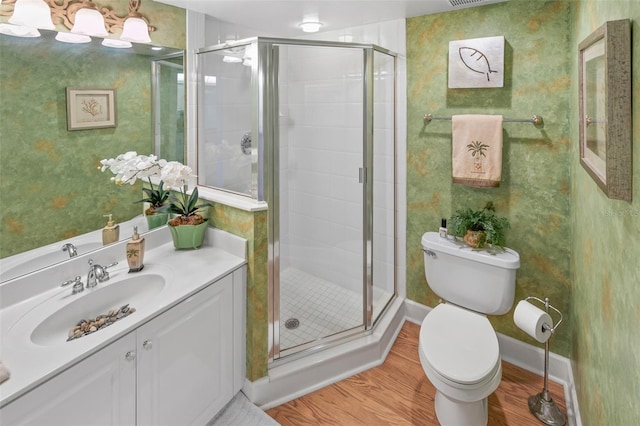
<point>383,182</point>
<point>320,154</point>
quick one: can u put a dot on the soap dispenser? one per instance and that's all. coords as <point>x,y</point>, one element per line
<point>111,232</point>
<point>135,252</point>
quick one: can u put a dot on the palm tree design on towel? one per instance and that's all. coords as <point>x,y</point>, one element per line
<point>477,149</point>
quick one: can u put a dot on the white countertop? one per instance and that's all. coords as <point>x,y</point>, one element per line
<point>27,300</point>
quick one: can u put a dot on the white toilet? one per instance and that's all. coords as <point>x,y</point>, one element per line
<point>458,347</point>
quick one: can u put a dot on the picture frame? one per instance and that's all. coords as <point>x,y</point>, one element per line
<point>476,63</point>
<point>90,108</point>
<point>604,68</point>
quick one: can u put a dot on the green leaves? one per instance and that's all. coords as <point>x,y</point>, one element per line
<point>155,197</point>
<point>480,220</point>
<point>183,204</point>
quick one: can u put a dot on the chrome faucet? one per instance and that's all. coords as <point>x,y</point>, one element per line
<point>77,285</point>
<point>71,249</point>
<point>97,274</point>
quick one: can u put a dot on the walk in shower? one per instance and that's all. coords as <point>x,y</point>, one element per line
<point>308,127</point>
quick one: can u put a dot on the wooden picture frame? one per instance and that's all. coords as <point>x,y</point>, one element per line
<point>605,108</point>
<point>90,108</point>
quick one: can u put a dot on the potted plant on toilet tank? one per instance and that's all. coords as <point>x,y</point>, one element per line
<point>479,228</point>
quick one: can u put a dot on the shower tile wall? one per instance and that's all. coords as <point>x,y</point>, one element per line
<point>321,153</point>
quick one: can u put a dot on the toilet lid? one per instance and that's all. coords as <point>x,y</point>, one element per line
<point>459,344</point>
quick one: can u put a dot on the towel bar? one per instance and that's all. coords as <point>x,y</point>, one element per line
<point>536,120</point>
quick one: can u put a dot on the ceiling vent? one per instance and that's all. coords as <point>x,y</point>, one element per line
<point>467,3</point>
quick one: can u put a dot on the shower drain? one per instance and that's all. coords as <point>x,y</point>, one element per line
<point>292,323</point>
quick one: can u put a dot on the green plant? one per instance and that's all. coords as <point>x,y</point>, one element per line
<point>129,167</point>
<point>156,197</point>
<point>484,221</point>
<point>186,206</point>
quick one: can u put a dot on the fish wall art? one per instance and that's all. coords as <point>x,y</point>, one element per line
<point>477,62</point>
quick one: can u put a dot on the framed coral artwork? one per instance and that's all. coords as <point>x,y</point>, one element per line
<point>90,108</point>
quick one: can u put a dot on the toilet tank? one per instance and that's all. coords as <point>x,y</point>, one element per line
<point>473,279</point>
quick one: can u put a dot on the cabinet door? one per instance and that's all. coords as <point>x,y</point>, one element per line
<point>185,366</point>
<point>99,390</point>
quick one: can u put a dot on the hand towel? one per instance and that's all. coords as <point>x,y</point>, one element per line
<point>477,150</point>
<point>4,373</point>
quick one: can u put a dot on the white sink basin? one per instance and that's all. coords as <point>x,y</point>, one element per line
<point>42,259</point>
<point>52,328</point>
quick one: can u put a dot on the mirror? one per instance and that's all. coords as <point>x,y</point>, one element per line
<point>51,188</point>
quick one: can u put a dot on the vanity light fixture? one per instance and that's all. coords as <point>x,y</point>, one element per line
<point>135,29</point>
<point>32,14</point>
<point>89,21</point>
<point>19,30</point>
<point>27,17</point>
<point>79,16</point>
<point>72,38</point>
<point>118,44</point>
<point>311,26</point>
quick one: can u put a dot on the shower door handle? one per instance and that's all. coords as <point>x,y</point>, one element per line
<point>362,175</point>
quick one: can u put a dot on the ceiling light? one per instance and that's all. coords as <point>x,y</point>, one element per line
<point>32,13</point>
<point>118,44</point>
<point>135,29</point>
<point>157,48</point>
<point>311,26</point>
<point>19,30</point>
<point>72,38</point>
<point>231,59</point>
<point>89,21</point>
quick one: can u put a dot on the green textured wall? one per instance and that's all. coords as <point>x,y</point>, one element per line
<point>535,190</point>
<point>51,173</point>
<point>253,227</point>
<point>605,309</point>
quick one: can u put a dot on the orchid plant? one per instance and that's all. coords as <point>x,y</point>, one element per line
<point>130,166</point>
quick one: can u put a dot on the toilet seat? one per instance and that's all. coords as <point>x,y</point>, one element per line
<point>460,346</point>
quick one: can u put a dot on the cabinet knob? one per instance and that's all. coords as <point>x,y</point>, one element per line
<point>130,356</point>
<point>147,344</point>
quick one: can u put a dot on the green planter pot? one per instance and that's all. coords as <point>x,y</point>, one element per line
<point>188,236</point>
<point>156,220</point>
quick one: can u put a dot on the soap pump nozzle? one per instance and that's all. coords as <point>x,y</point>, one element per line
<point>110,222</point>
<point>111,232</point>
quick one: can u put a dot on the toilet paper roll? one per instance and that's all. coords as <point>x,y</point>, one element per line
<point>529,319</point>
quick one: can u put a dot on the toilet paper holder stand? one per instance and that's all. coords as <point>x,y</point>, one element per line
<point>551,327</point>
<point>542,405</point>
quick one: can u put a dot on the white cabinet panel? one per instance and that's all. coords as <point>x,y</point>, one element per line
<point>185,360</point>
<point>100,390</point>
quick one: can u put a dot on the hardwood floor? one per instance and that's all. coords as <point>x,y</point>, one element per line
<point>398,393</point>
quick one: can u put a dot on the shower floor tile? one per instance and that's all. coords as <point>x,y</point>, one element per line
<point>322,308</point>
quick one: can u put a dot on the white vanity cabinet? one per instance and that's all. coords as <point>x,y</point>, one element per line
<point>180,368</point>
<point>99,390</point>
<point>185,360</point>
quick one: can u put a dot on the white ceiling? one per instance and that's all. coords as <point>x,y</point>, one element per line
<point>282,17</point>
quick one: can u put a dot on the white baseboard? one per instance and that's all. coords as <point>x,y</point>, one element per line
<point>305,375</point>
<point>526,356</point>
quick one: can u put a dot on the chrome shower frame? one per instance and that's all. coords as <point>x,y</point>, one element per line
<point>266,181</point>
